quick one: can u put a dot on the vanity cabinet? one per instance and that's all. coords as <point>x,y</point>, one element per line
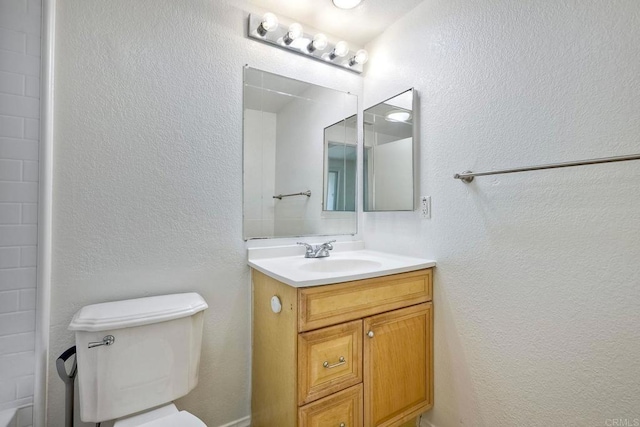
<point>354,354</point>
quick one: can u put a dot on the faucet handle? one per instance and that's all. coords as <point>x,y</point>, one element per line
<point>306,245</point>
<point>328,244</point>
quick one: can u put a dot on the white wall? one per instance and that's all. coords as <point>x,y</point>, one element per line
<point>19,124</point>
<point>537,286</point>
<point>148,172</point>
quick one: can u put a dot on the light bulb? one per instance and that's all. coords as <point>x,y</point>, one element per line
<point>319,43</point>
<point>346,4</point>
<point>269,23</point>
<point>341,49</point>
<point>397,116</point>
<point>295,31</point>
<point>360,57</point>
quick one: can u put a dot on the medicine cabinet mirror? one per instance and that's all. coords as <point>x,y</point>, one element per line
<point>295,134</point>
<point>389,152</point>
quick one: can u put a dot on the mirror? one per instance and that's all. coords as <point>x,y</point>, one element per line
<point>294,134</point>
<point>340,159</point>
<point>388,164</point>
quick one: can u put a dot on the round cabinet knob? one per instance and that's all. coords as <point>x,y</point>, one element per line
<point>276,305</point>
<point>370,334</point>
<point>343,425</point>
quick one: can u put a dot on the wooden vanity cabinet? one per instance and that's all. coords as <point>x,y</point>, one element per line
<point>354,354</point>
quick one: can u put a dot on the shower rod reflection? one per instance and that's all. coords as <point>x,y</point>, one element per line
<point>467,176</point>
<point>304,193</point>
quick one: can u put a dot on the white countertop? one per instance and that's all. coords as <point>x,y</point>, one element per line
<point>348,261</point>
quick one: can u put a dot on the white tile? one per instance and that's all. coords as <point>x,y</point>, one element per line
<point>32,87</point>
<point>19,192</point>
<point>33,45</point>
<point>27,299</point>
<point>29,213</point>
<point>29,171</point>
<point>20,21</point>
<point>9,301</point>
<point>16,365</point>
<point>28,256</point>
<point>10,257</point>
<point>11,127</point>
<point>13,40</point>
<point>18,235</point>
<point>22,106</point>
<point>25,386</point>
<point>17,343</point>
<point>12,83</point>
<point>10,170</point>
<point>17,278</point>
<point>13,7</point>
<point>20,63</point>
<point>18,149</point>
<point>17,323</point>
<point>32,129</point>
<point>9,213</point>
<point>25,417</point>
<point>7,391</point>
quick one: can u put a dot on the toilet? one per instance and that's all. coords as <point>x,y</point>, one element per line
<point>135,357</point>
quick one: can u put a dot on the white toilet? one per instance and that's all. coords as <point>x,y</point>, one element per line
<point>136,356</point>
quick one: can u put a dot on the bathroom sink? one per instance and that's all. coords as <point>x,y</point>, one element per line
<point>348,261</point>
<point>329,265</point>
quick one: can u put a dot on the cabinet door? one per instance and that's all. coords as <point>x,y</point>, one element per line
<point>398,365</point>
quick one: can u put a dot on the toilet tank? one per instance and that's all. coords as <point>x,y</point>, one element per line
<point>153,360</point>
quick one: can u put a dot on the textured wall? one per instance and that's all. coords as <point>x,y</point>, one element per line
<point>19,127</point>
<point>538,286</point>
<point>148,172</point>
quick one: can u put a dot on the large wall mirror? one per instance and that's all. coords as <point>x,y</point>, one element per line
<point>299,158</point>
<point>389,145</point>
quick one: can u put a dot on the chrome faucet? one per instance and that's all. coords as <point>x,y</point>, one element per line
<point>317,251</point>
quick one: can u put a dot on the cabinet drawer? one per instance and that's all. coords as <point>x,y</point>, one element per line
<point>344,407</point>
<point>329,360</point>
<point>331,304</point>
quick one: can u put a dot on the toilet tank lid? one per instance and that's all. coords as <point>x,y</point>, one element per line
<point>136,312</point>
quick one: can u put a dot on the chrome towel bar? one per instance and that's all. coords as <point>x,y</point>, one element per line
<point>304,193</point>
<point>467,176</point>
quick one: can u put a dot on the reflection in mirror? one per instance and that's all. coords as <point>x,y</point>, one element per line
<point>285,124</point>
<point>388,154</point>
<point>340,159</point>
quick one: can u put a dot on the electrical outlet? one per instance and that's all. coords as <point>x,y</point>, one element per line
<point>425,207</point>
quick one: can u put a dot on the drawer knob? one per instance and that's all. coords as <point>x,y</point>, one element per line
<point>341,361</point>
<point>370,334</point>
<point>343,425</point>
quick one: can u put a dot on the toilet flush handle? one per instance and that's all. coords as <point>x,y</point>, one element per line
<point>108,340</point>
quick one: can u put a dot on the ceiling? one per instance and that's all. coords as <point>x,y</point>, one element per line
<point>359,25</point>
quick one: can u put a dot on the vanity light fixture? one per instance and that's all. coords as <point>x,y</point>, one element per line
<point>268,24</point>
<point>339,51</point>
<point>295,32</point>
<point>286,34</point>
<point>319,42</point>
<point>346,4</point>
<point>397,116</point>
<point>360,57</point>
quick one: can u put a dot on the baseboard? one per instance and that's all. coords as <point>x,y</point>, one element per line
<point>422,422</point>
<point>242,422</point>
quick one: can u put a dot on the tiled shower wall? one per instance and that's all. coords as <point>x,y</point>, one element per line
<point>19,124</point>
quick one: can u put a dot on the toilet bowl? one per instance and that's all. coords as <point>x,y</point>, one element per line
<point>135,357</point>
